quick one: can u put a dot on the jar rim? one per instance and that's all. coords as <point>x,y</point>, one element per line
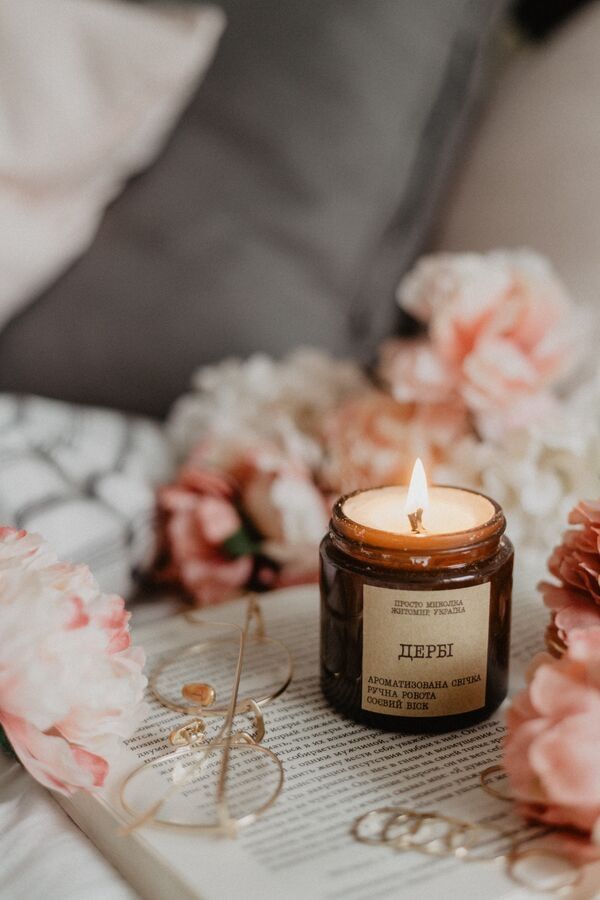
<point>424,544</point>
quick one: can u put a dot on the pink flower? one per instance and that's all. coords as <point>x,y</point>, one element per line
<point>280,496</point>
<point>500,332</point>
<point>255,494</point>
<point>199,517</point>
<point>286,507</point>
<point>373,440</point>
<point>575,563</point>
<point>71,684</point>
<point>414,372</point>
<point>551,748</point>
<point>28,550</point>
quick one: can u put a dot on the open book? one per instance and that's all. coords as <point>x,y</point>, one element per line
<point>335,770</point>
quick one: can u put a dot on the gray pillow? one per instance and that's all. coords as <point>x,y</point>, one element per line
<point>295,191</point>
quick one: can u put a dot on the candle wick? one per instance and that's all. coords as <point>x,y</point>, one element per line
<point>416,521</point>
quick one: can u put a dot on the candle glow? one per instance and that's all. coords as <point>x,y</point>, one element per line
<point>444,510</point>
<point>417,498</point>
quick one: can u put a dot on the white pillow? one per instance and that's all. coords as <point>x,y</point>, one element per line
<point>532,176</point>
<point>89,90</point>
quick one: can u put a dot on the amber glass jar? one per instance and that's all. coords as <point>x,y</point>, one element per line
<point>415,629</point>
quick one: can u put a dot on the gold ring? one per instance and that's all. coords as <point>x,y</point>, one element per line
<point>517,855</point>
<point>493,792</point>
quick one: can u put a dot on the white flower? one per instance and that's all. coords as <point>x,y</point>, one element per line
<point>261,400</point>
<point>71,684</point>
<point>537,474</point>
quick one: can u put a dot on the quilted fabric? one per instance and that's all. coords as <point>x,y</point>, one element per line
<point>84,478</point>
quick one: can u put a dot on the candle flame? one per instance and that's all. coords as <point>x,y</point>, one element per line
<point>417,497</point>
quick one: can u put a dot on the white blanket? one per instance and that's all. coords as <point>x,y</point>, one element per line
<point>42,854</point>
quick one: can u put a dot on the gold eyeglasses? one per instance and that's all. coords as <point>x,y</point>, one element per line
<point>215,780</point>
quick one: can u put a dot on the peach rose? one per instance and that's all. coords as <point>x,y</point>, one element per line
<point>551,748</point>
<point>414,372</point>
<point>372,440</point>
<point>71,684</point>
<point>500,326</point>
<point>575,563</point>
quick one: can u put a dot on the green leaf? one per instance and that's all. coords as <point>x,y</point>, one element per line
<point>5,744</point>
<point>240,544</point>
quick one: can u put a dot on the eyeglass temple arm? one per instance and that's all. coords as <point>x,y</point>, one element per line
<point>260,630</point>
<point>225,819</point>
<point>225,732</point>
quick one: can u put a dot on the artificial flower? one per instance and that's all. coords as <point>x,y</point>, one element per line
<point>414,372</point>
<point>474,398</point>
<point>71,684</point>
<point>373,440</point>
<point>199,517</point>
<point>536,474</point>
<point>501,331</point>
<point>288,510</point>
<point>264,401</point>
<point>551,748</point>
<point>575,564</point>
<point>241,516</point>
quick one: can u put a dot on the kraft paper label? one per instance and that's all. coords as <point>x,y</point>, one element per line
<point>425,652</point>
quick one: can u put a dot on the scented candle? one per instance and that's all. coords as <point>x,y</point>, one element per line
<point>415,607</point>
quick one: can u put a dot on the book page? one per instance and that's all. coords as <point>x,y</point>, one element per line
<point>335,770</point>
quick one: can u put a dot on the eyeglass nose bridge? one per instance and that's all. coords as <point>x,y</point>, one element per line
<point>251,706</point>
<point>188,734</point>
<point>193,732</point>
<point>191,735</point>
